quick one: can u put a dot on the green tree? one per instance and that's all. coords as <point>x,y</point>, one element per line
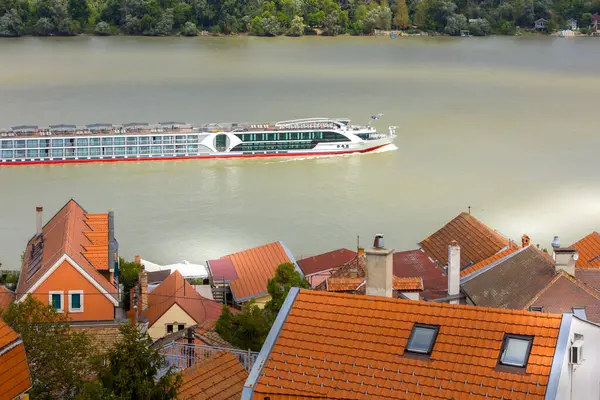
<point>455,24</point>
<point>79,10</point>
<point>131,371</point>
<point>129,271</point>
<point>297,26</point>
<point>480,27</point>
<point>378,18</point>
<point>247,329</point>
<point>401,19</point>
<point>189,29</point>
<point>586,20</point>
<point>60,359</point>
<point>286,277</point>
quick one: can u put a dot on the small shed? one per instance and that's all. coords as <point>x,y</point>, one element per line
<point>541,24</point>
<point>572,23</point>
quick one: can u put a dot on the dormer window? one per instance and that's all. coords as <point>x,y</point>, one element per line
<point>422,338</point>
<point>515,350</point>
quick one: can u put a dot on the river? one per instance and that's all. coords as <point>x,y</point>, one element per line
<point>507,126</point>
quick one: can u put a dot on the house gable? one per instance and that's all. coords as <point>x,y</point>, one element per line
<point>174,314</point>
<point>67,276</point>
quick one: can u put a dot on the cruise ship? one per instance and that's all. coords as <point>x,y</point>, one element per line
<point>139,141</point>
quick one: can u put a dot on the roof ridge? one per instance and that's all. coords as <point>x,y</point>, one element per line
<point>426,303</point>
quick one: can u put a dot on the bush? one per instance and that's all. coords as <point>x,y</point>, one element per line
<point>102,29</point>
<point>11,24</point>
<point>189,29</point>
<point>297,26</point>
<point>455,24</point>
<point>585,31</point>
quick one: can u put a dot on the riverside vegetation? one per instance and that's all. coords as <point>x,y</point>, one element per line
<point>289,17</point>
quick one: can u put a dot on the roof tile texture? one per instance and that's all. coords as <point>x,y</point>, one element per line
<point>82,236</point>
<point>326,261</point>
<point>14,371</point>
<point>513,282</point>
<point>487,261</point>
<point>254,268</point>
<point>589,276</point>
<point>341,346</point>
<point>565,292</point>
<point>477,241</point>
<point>6,297</point>
<point>176,290</point>
<point>589,251</point>
<point>417,263</point>
<point>220,377</point>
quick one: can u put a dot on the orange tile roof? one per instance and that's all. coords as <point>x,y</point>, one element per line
<point>589,251</point>
<point>6,297</point>
<point>488,261</point>
<point>341,346</point>
<point>477,241</point>
<point>408,284</point>
<point>14,371</point>
<point>343,284</point>
<point>176,290</point>
<point>254,268</point>
<point>82,236</point>
<point>220,377</point>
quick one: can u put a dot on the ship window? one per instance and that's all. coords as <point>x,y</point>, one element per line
<point>132,151</point>
<point>19,153</point>
<point>31,144</point>
<point>95,142</point>
<point>58,153</point>
<point>108,151</point>
<point>82,152</point>
<point>156,140</point>
<point>107,141</point>
<point>180,148</point>
<point>119,141</point>
<point>168,139</point>
<point>94,151</point>
<point>169,149</point>
<point>119,151</point>
<point>144,149</point>
<point>192,139</point>
<point>7,153</point>
<point>145,140</point>
<point>19,143</point>
<point>32,153</point>
<point>131,140</point>
<point>82,142</point>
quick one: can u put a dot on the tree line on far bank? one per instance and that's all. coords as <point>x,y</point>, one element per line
<point>284,17</point>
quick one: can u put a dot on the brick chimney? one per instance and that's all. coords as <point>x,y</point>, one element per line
<point>143,282</point>
<point>525,241</point>
<point>379,269</point>
<point>565,259</point>
<point>453,270</point>
<point>38,220</point>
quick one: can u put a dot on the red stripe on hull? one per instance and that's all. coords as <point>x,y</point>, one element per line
<point>330,153</point>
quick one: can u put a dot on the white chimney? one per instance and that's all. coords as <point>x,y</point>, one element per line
<point>453,270</point>
<point>38,218</point>
<point>379,269</point>
<point>565,259</point>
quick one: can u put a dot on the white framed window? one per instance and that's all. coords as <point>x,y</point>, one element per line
<point>515,350</point>
<point>75,301</point>
<point>56,300</point>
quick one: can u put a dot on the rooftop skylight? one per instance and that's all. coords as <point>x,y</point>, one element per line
<point>422,338</point>
<point>515,350</point>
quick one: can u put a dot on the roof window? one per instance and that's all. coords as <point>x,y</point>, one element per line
<point>422,338</point>
<point>536,308</point>
<point>515,350</point>
<point>579,312</point>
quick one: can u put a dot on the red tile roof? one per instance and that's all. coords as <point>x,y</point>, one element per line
<point>563,293</point>
<point>487,261</point>
<point>176,290</point>
<point>416,263</point>
<point>253,268</point>
<point>74,232</point>
<point>220,377</point>
<point>326,261</point>
<point>343,284</point>
<point>6,297</point>
<point>341,346</point>
<point>477,241</point>
<point>14,371</point>
<point>588,249</point>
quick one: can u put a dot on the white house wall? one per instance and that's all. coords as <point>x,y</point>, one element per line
<point>586,376</point>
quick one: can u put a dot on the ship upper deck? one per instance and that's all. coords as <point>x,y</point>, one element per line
<point>173,127</point>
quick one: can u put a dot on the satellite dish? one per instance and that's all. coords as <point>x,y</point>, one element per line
<point>575,256</point>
